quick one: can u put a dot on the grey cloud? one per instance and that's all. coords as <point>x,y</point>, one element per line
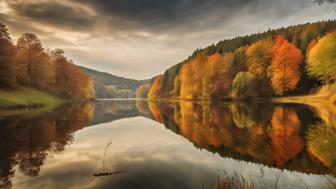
<point>160,15</point>
<point>54,14</point>
<point>120,17</point>
<point>126,15</point>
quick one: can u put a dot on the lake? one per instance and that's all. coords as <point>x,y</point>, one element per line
<point>127,144</point>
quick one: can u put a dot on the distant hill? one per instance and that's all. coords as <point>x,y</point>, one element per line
<point>111,86</point>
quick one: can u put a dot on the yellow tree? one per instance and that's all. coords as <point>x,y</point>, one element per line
<point>322,59</point>
<point>191,77</point>
<point>259,56</point>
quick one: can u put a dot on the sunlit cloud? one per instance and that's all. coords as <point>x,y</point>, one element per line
<point>4,8</point>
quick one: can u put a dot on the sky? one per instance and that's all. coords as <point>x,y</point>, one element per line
<point>141,38</point>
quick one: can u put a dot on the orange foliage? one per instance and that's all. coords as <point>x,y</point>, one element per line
<point>286,62</point>
<point>49,71</point>
<point>207,76</point>
<point>191,76</point>
<point>155,90</point>
<point>72,82</point>
<point>311,45</point>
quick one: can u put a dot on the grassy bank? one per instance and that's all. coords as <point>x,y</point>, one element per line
<point>327,94</point>
<point>23,99</point>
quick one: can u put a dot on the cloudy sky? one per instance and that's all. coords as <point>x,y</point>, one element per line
<point>141,38</point>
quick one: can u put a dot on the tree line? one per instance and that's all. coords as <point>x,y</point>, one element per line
<point>286,61</point>
<point>27,63</point>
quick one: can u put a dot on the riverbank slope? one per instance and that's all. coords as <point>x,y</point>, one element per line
<point>26,97</point>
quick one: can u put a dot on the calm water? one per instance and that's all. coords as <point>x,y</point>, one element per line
<point>170,145</point>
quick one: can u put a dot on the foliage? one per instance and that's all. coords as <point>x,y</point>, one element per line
<point>286,66</point>
<point>276,62</point>
<point>142,91</point>
<point>70,80</point>
<point>245,84</point>
<point>155,90</point>
<point>191,78</point>
<point>7,77</point>
<point>168,82</point>
<point>30,50</point>
<point>28,64</point>
<point>322,59</point>
<point>259,57</point>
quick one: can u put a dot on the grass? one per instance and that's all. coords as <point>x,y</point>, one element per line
<point>327,94</point>
<point>25,100</point>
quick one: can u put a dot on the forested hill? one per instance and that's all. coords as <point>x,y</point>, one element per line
<point>288,61</point>
<point>111,86</point>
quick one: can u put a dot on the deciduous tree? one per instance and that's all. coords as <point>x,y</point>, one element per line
<point>286,66</point>
<point>322,59</point>
<point>29,49</point>
<point>245,84</point>
<point>259,56</point>
<point>155,90</point>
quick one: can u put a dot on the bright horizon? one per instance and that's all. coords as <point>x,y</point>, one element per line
<point>139,40</point>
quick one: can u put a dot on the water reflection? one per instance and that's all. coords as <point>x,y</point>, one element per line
<point>273,135</point>
<point>25,143</point>
<point>278,139</point>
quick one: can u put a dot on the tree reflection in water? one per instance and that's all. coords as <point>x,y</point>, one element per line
<point>271,134</point>
<point>285,136</point>
<point>26,142</point>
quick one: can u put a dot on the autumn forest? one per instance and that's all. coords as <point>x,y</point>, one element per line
<point>158,94</point>
<point>27,63</point>
<point>291,61</point>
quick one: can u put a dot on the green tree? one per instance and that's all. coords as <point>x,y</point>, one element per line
<point>245,84</point>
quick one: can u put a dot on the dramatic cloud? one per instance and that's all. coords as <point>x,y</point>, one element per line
<point>54,14</point>
<point>121,36</point>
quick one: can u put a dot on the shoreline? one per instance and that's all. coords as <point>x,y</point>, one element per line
<point>27,100</point>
